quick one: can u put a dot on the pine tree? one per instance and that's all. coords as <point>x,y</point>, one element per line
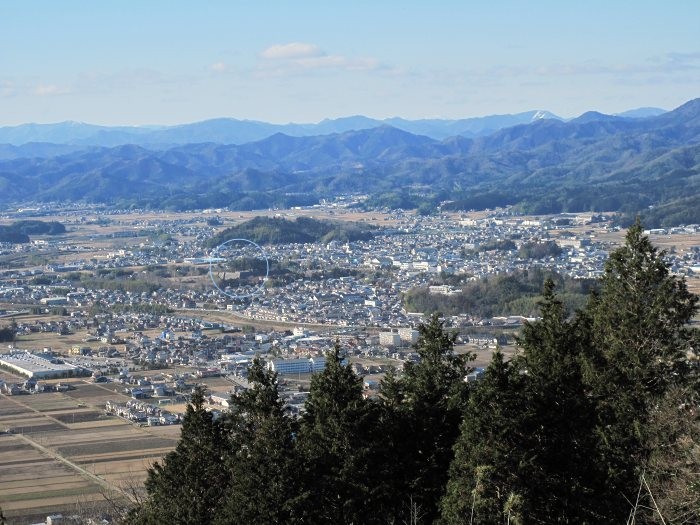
<point>432,396</point>
<point>187,486</point>
<point>556,475</point>
<point>483,486</point>
<point>671,484</point>
<point>639,339</point>
<point>336,442</point>
<point>265,484</point>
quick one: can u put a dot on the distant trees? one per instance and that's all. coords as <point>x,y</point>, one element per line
<point>8,333</point>
<point>595,421</point>
<point>516,293</point>
<point>274,230</point>
<point>19,231</point>
<point>539,250</point>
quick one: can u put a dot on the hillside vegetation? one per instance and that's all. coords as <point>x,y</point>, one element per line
<point>593,163</point>
<point>19,231</point>
<point>276,230</point>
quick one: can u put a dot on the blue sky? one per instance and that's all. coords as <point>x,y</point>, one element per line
<point>168,62</point>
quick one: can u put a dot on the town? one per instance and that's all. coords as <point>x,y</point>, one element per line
<point>116,321</point>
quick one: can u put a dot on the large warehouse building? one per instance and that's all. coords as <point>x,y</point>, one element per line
<point>31,365</point>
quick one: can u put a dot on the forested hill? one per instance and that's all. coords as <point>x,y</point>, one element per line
<point>595,162</point>
<point>19,231</point>
<point>276,230</point>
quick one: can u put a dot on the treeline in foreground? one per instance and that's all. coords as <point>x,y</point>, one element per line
<point>595,421</point>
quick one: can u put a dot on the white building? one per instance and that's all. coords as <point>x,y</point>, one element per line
<point>389,339</point>
<point>31,365</point>
<point>297,366</point>
<point>408,335</point>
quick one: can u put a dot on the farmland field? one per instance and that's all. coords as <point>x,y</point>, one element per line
<point>60,453</point>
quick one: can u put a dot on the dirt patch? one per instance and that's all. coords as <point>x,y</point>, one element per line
<point>79,417</point>
<point>86,449</point>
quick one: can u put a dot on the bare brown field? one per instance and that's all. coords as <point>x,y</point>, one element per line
<point>483,356</point>
<point>30,480</point>
<point>50,401</point>
<point>79,416</point>
<point>8,408</point>
<point>52,340</point>
<point>166,431</point>
<point>79,450</point>
<point>109,422</point>
<point>66,440</point>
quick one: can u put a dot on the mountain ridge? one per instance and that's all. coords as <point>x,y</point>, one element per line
<point>227,130</point>
<point>593,163</point>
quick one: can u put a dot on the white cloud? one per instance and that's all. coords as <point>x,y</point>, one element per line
<point>7,89</point>
<point>218,67</point>
<point>292,50</point>
<point>297,57</point>
<point>46,90</point>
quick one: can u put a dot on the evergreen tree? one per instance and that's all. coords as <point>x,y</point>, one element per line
<point>336,443</point>
<point>671,483</point>
<point>557,477</point>
<point>263,465</point>
<point>187,486</point>
<point>483,486</point>
<point>431,398</point>
<point>639,332</point>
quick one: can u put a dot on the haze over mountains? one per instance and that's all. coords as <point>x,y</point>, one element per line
<point>232,131</point>
<point>595,162</point>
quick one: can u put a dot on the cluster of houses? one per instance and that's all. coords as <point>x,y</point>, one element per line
<point>143,413</point>
<point>364,281</point>
<point>32,386</point>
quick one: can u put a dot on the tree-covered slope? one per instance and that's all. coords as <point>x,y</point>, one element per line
<point>593,163</point>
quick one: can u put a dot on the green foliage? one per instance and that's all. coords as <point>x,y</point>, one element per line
<point>516,293</point>
<point>557,478</point>
<point>572,423</point>
<point>539,250</point>
<point>35,227</point>
<point>58,310</point>
<point>275,230</point>
<point>393,200</point>
<point>7,234</point>
<point>336,447</point>
<point>18,232</point>
<point>135,286</point>
<point>594,406</point>
<point>141,308</point>
<point>673,467</point>
<point>483,474</point>
<point>479,200</point>
<point>638,328</point>
<point>263,465</point>
<point>187,487</point>
<point>502,245</point>
<point>7,334</point>
<point>426,404</point>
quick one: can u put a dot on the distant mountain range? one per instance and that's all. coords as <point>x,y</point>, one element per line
<point>232,131</point>
<point>596,162</point>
